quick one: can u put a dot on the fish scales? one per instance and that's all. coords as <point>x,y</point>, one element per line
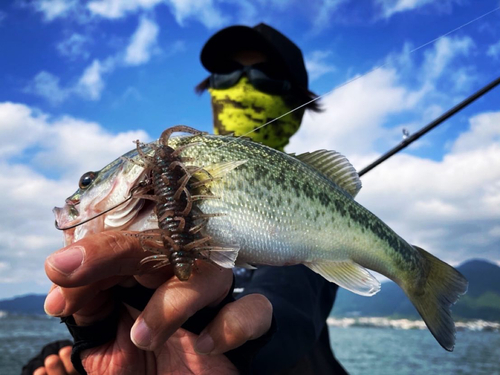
<point>274,201</point>
<point>270,208</point>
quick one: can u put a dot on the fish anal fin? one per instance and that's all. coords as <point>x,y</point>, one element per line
<point>335,167</point>
<point>348,275</point>
<point>245,265</point>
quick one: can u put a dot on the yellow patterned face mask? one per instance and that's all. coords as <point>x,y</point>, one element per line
<point>241,109</point>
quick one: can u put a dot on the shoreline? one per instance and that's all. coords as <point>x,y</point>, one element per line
<point>405,324</point>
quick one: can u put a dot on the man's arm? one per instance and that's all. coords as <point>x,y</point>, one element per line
<point>302,301</point>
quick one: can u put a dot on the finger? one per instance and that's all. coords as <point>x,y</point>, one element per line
<point>54,365</point>
<point>65,356</point>
<point>175,301</point>
<point>40,371</point>
<point>95,258</point>
<point>66,301</point>
<point>155,279</point>
<point>238,322</point>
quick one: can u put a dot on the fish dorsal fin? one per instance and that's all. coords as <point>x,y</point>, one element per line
<point>348,275</point>
<point>334,166</point>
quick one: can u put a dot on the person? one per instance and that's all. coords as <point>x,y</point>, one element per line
<point>258,76</point>
<point>276,325</point>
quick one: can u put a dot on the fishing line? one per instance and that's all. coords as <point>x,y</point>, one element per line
<point>131,195</point>
<point>363,75</point>
<point>381,159</point>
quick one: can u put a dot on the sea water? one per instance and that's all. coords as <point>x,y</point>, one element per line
<point>22,337</point>
<point>383,351</point>
<point>361,350</point>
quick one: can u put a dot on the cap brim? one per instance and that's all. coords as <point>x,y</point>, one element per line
<point>218,50</point>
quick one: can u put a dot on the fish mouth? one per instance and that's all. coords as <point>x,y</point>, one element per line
<point>136,215</point>
<point>66,216</point>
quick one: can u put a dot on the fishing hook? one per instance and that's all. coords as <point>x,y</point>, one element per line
<point>132,191</point>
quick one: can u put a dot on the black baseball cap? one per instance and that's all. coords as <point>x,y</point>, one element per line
<point>280,50</point>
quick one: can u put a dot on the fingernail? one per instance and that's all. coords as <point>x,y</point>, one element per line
<point>205,344</point>
<point>67,261</point>
<point>141,334</point>
<point>55,303</point>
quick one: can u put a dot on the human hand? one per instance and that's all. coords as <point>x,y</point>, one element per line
<point>54,359</point>
<point>85,271</point>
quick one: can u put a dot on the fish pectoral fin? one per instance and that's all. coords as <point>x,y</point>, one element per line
<point>348,275</point>
<point>224,257</point>
<point>219,170</point>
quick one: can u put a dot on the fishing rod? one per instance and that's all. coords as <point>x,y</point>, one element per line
<point>409,140</point>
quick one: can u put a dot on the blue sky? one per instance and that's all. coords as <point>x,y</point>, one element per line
<point>82,79</point>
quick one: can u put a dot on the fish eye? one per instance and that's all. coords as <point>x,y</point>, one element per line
<point>86,180</point>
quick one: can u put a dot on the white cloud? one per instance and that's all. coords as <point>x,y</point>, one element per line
<point>204,11</point>
<point>16,120</point>
<point>494,50</point>
<point>484,129</point>
<point>47,86</point>
<point>89,86</point>
<point>354,125</point>
<point>317,64</point>
<point>444,52</point>
<point>119,8</point>
<point>98,145</point>
<point>326,8</point>
<point>142,43</point>
<point>50,143</point>
<point>464,78</point>
<point>53,9</point>
<point>176,47</point>
<point>391,7</point>
<point>28,196</point>
<point>74,46</point>
<point>91,83</point>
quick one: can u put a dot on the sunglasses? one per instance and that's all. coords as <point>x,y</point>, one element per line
<point>261,76</point>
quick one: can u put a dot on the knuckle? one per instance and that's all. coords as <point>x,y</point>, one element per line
<point>65,352</point>
<point>238,328</point>
<point>261,303</point>
<point>115,241</point>
<point>52,362</point>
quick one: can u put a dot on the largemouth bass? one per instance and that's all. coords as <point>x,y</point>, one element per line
<point>266,207</point>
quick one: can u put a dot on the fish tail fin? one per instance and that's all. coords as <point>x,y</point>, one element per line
<point>442,288</point>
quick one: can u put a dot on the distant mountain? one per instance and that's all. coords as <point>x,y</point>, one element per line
<point>28,304</point>
<point>482,300</point>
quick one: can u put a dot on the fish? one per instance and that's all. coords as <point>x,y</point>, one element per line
<point>266,207</point>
